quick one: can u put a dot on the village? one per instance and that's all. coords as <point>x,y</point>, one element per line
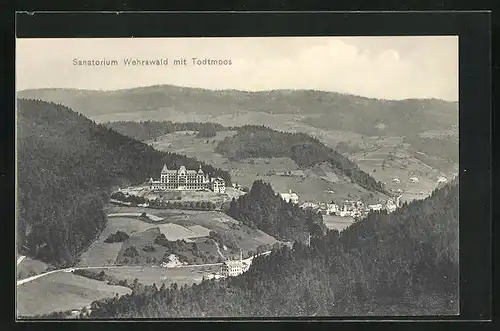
<point>197,185</point>
<point>205,192</point>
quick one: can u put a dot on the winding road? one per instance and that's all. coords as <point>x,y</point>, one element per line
<point>29,279</point>
<point>20,259</point>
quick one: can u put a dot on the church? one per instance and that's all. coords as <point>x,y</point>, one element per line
<point>184,179</point>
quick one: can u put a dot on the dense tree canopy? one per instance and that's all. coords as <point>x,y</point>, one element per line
<point>404,263</point>
<point>147,130</point>
<point>67,165</point>
<point>262,208</point>
<point>259,141</point>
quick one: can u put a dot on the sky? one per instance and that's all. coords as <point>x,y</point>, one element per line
<point>377,67</point>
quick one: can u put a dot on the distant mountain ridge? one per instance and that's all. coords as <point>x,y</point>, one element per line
<point>320,109</point>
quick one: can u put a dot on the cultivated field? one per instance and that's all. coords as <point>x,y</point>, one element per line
<point>187,225</point>
<point>61,292</point>
<point>158,275</point>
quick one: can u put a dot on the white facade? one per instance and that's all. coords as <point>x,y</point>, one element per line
<point>442,180</point>
<point>218,185</point>
<point>173,262</point>
<point>234,268</point>
<point>331,208</point>
<point>376,207</point>
<point>290,197</point>
<point>184,179</point>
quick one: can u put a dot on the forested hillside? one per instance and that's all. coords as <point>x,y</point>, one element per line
<point>259,141</point>
<point>147,130</point>
<point>404,263</point>
<point>262,208</point>
<point>67,165</point>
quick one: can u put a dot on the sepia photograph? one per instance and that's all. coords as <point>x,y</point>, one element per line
<point>237,177</point>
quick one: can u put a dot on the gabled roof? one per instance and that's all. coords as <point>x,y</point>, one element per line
<point>165,169</point>
<point>234,263</point>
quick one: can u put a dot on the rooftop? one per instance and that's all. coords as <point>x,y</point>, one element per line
<point>182,169</point>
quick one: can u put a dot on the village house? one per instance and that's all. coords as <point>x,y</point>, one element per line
<point>414,180</point>
<point>331,208</point>
<point>218,185</point>
<point>184,179</point>
<point>442,180</point>
<point>290,197</point>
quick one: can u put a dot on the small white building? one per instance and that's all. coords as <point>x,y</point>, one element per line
<point>375,207</point>
<point>442,180</point>
<point>309,205</point>
<point>390,206</point>
<point>218,185</point>
<point>414,180</point>
<point>290,197</point>
<point>331,208</point>
<point>396,180</point>
<point>233,268</point>
<point>173,261</point>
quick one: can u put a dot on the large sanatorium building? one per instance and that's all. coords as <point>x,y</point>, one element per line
<point>184,179</point>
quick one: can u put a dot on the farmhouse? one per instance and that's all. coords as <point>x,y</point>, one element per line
<point>184,179</point>
<point>233,268</point>
<point>218,185</point>
<point>375,207</point>
<point>290,197</point>
<point>414,180</point>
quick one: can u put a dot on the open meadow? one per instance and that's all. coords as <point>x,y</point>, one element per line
<point>62,291</point>
<point>30,267</point>
<point>334,222</point>
<point>159,275</point>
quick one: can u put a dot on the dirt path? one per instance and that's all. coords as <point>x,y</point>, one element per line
<point>29,279</point>
<point>20,259</point>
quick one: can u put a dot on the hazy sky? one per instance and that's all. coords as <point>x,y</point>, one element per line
<point>381,67</point>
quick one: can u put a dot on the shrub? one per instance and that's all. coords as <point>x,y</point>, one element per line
<point>131,252</point>
<point>118,236</point>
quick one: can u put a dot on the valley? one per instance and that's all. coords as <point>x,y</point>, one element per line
<point>309,154</point>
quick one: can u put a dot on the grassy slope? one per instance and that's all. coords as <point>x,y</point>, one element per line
<point>405,263</point>
<point>312,187</point>
<point>30,267</point>
<point>60,292</point>
<point>66,165</point>
<point>176,226</point>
